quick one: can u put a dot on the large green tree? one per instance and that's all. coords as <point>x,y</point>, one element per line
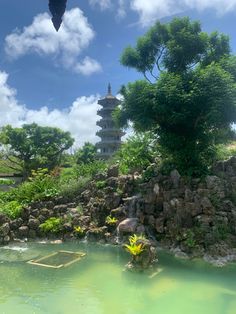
<point>188,96</point>
<point>33,146</point>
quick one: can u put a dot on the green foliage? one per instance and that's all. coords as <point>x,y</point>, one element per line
<point>221,231</point>
<point>190,240</point>
<point>139,151</point>
<point>101,184</point>
<point>111,220</point>
<point>135,248</point>
<point>41,185</point>
<point>86,154</point>
<point>51,225</point>
<point>192,96</point>
<point>33,146</point>
<point>79,209</point>
<point>73,187</point>
<point>12,209</point>
<point>224,152</point>
<point>6,181</point>
<point>90,169</point>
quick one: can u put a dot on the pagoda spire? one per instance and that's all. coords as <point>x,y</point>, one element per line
<point>109,89</point>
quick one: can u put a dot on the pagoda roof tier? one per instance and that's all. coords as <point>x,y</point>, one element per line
<point>104,121</point>
<point>106,111</point>
<point>108,101</point>
<point>110,131</point>
<point>105,143</point>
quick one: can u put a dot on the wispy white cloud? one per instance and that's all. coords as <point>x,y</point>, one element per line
<point>103,4</point>
<point>79,118</point>
<point>65,47</point>
<point>149,10</point>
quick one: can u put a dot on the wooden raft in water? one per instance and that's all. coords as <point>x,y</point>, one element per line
<point>58,259</point>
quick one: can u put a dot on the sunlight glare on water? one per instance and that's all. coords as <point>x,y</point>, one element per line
<point>98,284</point>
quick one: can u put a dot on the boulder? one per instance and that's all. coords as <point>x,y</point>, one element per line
<point>175,178</point>
<point>4,229</point>
<point>128,225</point>
<point>23,231</point>
<point>33,224</point>
<point>113,171</point>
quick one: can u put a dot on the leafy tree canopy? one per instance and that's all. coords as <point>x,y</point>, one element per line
<point>33,146</point>
<point>189,95</point>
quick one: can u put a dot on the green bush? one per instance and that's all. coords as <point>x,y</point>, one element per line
<point>51,225</point>
<point>90,169</point>
<point>12,209</point>
<point>73,187</point>
<point>137,153</point>
<point>40,186</point>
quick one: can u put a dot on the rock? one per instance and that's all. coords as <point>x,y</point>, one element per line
<point>128,225</point>
<point>118,212</point>
<point>16,223</point>
<point>159,224</point>
<point>4,229</point>
<point>32,234</point>
<point>67,227</point>
<point>146,259</point>
<point>206,206</point>
<point>175,178</point>
<point>45,212</point>
<point>6,239</point>
<point>113,171</point>
<point>151,220</point>
<point>62,208</point>
<point>23,231</point>
<point>216,186</point>
<point>96,234</point>
<point>33,224</point>
<point>3,218</point>
<point>25,212</point>
<point>156,189</point>
<point>140,229</point>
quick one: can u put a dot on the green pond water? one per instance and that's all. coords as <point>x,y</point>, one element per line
<point>98,284</point>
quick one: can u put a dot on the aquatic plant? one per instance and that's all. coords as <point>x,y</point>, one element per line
<point>135,248</point>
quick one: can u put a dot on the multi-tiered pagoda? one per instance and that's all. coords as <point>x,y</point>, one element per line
<point>110,135</point>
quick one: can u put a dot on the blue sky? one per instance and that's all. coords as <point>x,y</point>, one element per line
<point>56,78</point>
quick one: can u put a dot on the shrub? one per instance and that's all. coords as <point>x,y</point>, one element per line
<point>51,225</point>
<point>39,187</point>
<point>138,152</point>
<point>90,169</point>
<point>73,187</point>
<point>101,184</point>
<point>12,209</point>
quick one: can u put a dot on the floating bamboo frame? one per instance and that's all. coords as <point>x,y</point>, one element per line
<point>39,262</point>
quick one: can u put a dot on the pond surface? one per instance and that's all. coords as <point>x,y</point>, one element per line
<point>98,284</point>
